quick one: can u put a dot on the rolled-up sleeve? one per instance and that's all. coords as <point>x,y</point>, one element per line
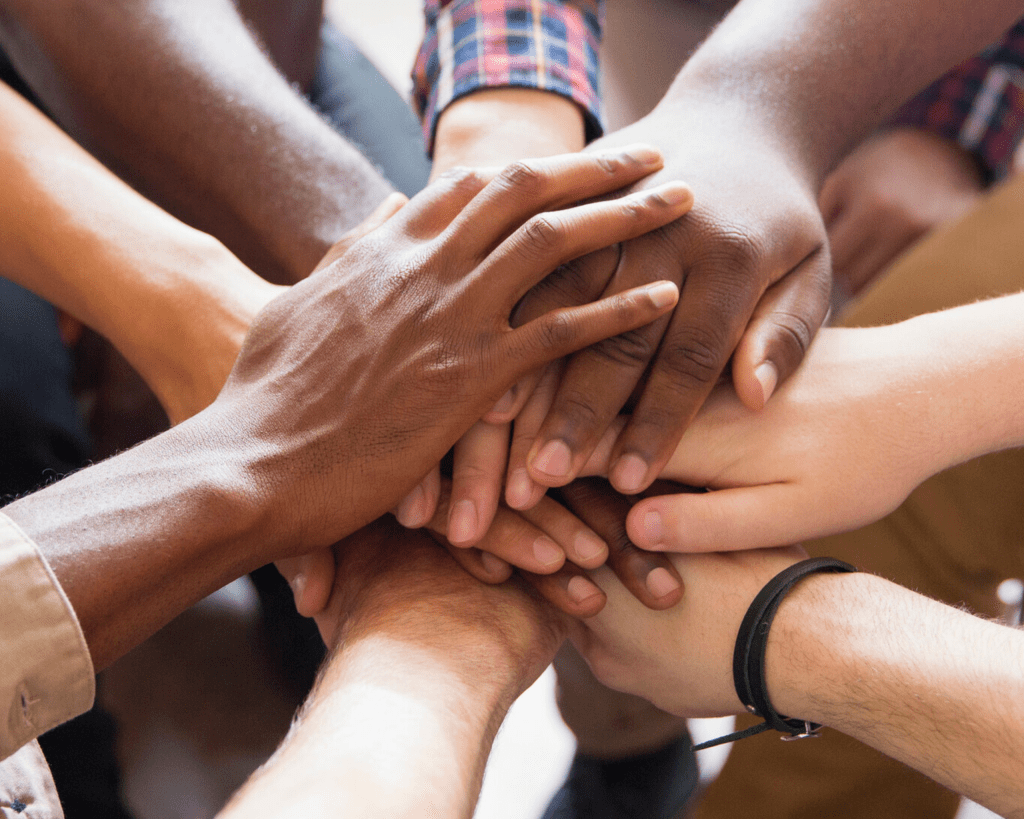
<point>46,673</point>
<point>551,45</point>
<point>979,104</point>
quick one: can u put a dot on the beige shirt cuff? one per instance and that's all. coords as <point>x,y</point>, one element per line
<point>46,674</point>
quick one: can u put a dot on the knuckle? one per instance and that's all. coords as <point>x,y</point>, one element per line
<point>463,178</point>
<point>619,543</point>
<point>692,357</point>
<point>578,411</point>
<point>632,349</point>
<point>608,163</point>
<point>524,176</point>
<point>559,331</point>
<point>542,235</point>
<point>794,335</point>
<point>738,250</point>
<point>633,209</point>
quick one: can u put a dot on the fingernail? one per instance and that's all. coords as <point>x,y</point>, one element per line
<point>651,528</point>
<point>663,294</point>
<point>298,584</point>
<point>492,564</point>
<point>506,402</point>
<point>519,489</point>
<point>580,590</point>
<point>462,522</point>
<point>674,193</point>
<point>661,583</point>
<point>554,459</point>
<point>644,154</point>
<point>413,509</point>
<point>589,546</point>
<point>629,473</point>
<point>547,552</point>
<point>767,376</point>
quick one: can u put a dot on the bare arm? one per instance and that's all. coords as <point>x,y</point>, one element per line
<point>427,662</point>
<point>180,100</point>
<point>296,452</point>
<point>932,686</point>
<point>871,414</point>
<point>754,120</point>
<point>173,300</point>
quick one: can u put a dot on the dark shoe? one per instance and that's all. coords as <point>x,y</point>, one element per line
<point>650,786</point>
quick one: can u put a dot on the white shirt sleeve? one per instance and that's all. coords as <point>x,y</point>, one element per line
<point>26,786</point>
<point>46,673</point>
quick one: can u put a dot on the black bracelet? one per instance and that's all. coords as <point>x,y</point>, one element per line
<point>748,658</point>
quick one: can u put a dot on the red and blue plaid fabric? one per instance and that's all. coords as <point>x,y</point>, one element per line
<point>472,44</point>
<point>979,104</point>
<point>554,44</point>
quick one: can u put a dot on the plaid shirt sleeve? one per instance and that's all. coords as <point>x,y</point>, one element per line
<point>979,104</point>
<point>472,44</point>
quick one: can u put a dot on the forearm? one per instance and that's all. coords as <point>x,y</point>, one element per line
<point>173,300</point>
<point>498,126</point>
<point>963,377</point>
<point>932,686</point>
<point>525,89</point>
<point>180,100</point>
<point>822,73</point>
<point>138,538</point>
<point>392,730</point>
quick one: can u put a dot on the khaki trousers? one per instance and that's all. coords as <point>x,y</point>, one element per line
<point>956,538</point>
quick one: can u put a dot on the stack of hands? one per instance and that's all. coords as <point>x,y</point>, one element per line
<point>558,427</point>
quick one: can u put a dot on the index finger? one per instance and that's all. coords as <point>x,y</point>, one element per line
<point>715,305</point>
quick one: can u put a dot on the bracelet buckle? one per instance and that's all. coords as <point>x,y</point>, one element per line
<point>811,731</point>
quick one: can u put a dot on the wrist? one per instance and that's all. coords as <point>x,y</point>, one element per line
<point>822,636</point>
<point>498,665</point>
<point>190,314</point>
<point>494,127</point>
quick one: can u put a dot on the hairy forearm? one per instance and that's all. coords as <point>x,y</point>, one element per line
<point>393,729</point>
<point>932,686</point>
<point>823,73</point>
<point>958,383</point>
<point>181,101</point>
<point>138,538</point>
<point>496,126</point>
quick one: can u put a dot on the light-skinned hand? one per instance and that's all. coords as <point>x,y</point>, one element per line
<point>887,194</point>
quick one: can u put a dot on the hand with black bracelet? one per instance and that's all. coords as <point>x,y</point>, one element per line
<point>930,685</point>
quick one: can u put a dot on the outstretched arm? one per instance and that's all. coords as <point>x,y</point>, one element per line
<point>871,414</point>
<point>754,120</point>
<point>296,451</point>
<point>932,686</point>
<point>173,300</point>
<point>425,665</point>
<point>181,101</point>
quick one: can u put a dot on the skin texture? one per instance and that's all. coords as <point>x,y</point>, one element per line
<point>772,83</point>
<point>425,663</point>
<point>927,684</point>
<point>751,258</point>
<point>870,415</point>
<point>499,126</point>
<point>191,300</point>
<point>297,452</point>
<point>891,191</point>
<point>192,303</point>
<point>182,102</point>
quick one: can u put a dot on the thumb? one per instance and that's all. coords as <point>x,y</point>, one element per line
<point>724,520</point>
<point>781,329</point>
<point>311,578</point>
